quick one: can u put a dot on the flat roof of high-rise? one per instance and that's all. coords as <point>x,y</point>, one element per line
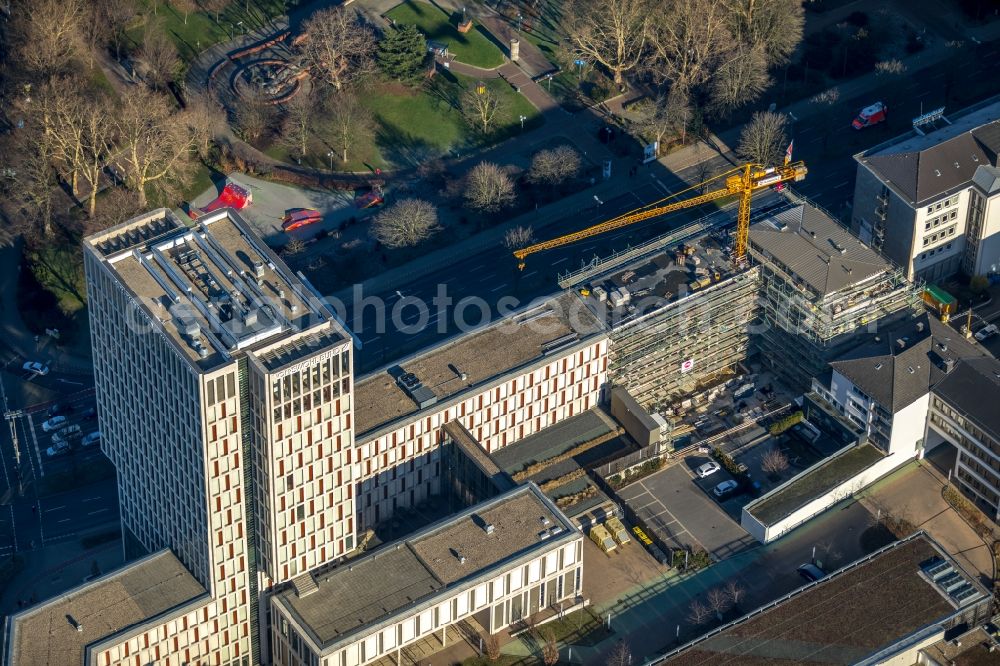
<point>61,630</point>
<point>452,554</point>
<point>214,288</point>
<point>474,359</point>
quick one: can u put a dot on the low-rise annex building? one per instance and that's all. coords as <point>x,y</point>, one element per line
<point>490,565</point>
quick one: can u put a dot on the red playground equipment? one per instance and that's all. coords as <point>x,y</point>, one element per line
<point>300,217</point>
<point>234,195</point>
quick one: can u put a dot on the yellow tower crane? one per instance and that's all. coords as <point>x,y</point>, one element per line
<point>742,181</point>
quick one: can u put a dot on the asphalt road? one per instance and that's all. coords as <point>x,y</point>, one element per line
<point>28,522</point>
<point>394,324</point>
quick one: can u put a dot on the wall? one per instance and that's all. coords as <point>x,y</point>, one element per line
<point>402,467</point>
<point>908,428</point>
<point>499,596</point>
<point>194,637</point>
<point>768,533</point>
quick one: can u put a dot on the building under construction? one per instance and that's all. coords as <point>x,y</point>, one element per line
<point>678,319</point>
<point>820,286</point>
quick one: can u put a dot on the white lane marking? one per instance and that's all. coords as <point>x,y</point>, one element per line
<point>500,288</point>
<point>560,261</point>
<point>529,274</point>
<point>837,187</point>
<point>34,439</point>
<point>94,513</point>
<point>56,508</point>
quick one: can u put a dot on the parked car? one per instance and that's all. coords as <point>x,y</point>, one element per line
<point>811,572</point>
<point>54,423</point>
<point>66,434</point>
<point>36,367</point>
<point>708,469</point>
<point>724,488</point>
<point>91,439</point>
<point>57,449</point>
<point>987,332</point>
<point>89,413</point>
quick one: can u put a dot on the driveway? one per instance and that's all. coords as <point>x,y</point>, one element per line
<point>679,508</point>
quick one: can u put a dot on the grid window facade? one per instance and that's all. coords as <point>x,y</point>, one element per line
<point>402,468</point>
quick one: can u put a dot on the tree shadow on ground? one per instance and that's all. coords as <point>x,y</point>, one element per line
<point>401,148</point>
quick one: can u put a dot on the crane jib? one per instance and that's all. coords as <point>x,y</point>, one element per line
<point>741,180</point>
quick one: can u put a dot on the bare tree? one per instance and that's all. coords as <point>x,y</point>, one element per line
<point>155,141</point>
<point>735,591</point>
<point>185,7</point>
<point>351,121</point>
<point>689,39</point>
<point>518,237</point>
<point>46,33</point>
<point>405,223</point>
<point>488,188</point>
<point>550,649</point>
<point>97,144</point>
<point>610,32</point>
<point>208,118</point>
<point>698,613</point>
<point>253,115</point>
<point>482,107</point>
<point>740,80</point>
<point>553,166</point>
<point>492,644</point>
<point>158,55</point>
<point>293,247</point>
<point>116,206</point>
<point>215,6</point>
<point>34,188</point>
<point>339,47</point>
<point>621,654</point>
<point>663,116</point>
<point>115,16</point>
<point>774,462</point>
<point>718,601</point>
<point>300,116</point>
<point>774,27</point>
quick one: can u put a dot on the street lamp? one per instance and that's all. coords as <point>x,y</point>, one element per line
<point>239,24</point>
<point>523,118</point>
<point>598,200</point>
<point>330,155</point>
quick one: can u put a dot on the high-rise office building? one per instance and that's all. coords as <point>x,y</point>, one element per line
<point>224,392</point>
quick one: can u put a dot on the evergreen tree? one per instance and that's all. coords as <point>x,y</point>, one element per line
<point>402,53</point>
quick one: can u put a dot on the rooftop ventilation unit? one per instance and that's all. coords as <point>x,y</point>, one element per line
<point>258,269</point>
<point>413,387</point>
<point>901,343</point>
<point>920,326</point>
<point>489,528</point>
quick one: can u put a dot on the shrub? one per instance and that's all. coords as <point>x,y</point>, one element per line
<point>786,423</point>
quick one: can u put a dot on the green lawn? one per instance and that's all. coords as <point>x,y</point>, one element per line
<point>417,124</point>
<point>472,48</point>
<point>201,30</point>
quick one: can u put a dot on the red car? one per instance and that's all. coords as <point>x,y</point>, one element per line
<point>300,217</point>
<point>870,115</point>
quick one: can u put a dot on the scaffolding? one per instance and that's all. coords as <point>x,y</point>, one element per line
<point>687,345</point>
<point>801,331</point>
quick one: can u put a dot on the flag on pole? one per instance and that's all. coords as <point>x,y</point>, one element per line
<point>788,151</point>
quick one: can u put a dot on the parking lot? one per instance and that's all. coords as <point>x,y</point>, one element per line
<point>679,508</point>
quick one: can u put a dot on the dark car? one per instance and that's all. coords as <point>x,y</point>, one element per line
<point>89,413</point>
<point>56,409</point>
<point>811,572</point>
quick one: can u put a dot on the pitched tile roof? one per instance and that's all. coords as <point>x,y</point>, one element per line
<point>901,363</point>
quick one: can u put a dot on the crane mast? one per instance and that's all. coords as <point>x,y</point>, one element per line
<point>742,181</point>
